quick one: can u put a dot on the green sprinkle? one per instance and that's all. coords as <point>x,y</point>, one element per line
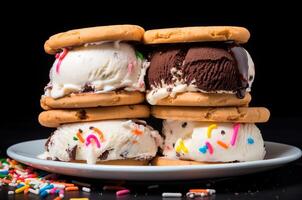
<point>3,176</point>
<point>139,55</point>
<point>75,138</point>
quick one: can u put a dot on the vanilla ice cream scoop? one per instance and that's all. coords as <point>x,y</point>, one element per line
<point>98,67</point>
<point>212,142</point>
<point>102,141</point>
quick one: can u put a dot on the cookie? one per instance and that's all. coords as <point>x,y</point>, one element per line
<point>204,99</point>
<point>130,162</point>
<point>205,114</point>
<point>53,118</point>
<point>196,34</point>
<point>163,161</point>
<point>78,37</point>
<point>88,100</point>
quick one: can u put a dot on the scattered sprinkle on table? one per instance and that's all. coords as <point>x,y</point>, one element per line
<point>171,194</point>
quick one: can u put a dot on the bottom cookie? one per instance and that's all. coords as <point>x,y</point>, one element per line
<point>163,161</point>
<point>129,162</point>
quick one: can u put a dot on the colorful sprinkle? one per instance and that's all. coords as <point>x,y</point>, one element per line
<point>137,132</point>
<point>130,67</point>
<point>73,188</point>
<point>122,192</point>
<point>171,194</point>
<point>75,138</point>
<point>250,140</point>
<point>181,147</point>
<point>99,132</point>
<point>203,149</point>
<point>210,147</point>
<point>60,57</point>
<point>79,135</point>
<point>235,133</point>
<point>222,144</point>
<point>92,137</point>
<point>210,128</point>
<point>139,55</point>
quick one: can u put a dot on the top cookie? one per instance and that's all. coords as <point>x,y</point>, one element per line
<point>79,37</point>
<point>197,34</point>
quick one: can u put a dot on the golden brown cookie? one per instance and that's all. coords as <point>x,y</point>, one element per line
<point>53,118</point>
<point>197,34</point>
<point>204,99</point>
<point>215,114</point>
<point>163,161</point>
<point>89,100</point>
<point>118,162</point>
<point>78,37</point>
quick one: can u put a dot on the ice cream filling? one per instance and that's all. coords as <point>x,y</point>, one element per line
<point>212,142</point>
<point>102,141</point>
<point>205,67</point>
<point>98,67</point>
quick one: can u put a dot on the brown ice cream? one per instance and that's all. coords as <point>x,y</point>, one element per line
<point>211,67</point>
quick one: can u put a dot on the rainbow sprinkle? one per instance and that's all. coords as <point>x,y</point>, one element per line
<point>79,136</point>
<point>222,144</point>
<point>235,133</point>
<point>99,132</point>
<point>210,148</point>
<point>203,149</point>
<point>92,137</point>
<point>60,57</point>
<point>137,132</point>
<point>181,147</point>
<point>250,140</point>
<point>210,128</point>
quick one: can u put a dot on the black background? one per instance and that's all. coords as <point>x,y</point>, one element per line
<point>274,46</point>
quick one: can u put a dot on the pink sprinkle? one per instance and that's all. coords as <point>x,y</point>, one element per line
<point>235,133</point>
<point>210,147</point>
<point>90,137</point>
<point>60,57</point>
<point>61,192</point>
<point>130,68</point>
<point>142,84</point>
<point>122,192</point>
<point>53,191</point>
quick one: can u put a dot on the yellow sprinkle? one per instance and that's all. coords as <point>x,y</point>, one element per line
<point>181,147</point>
<point>210,128</point>
<point>21,189</point>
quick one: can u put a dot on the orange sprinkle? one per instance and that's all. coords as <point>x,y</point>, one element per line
<point>14,162</point>
<point>26,190</point>
<point>5,181</point>
<point>199,190</point>
<point>57,198</point>
<point>137,132</point>
<point>79,135</point>
<point>99,132</point>
<point>222,144</point>
<point>68,184</point>
<point>134,142</point>
<point>74,188</point>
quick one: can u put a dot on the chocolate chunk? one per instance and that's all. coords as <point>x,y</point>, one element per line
<point>48,142</point>
<point>72,152</point>
<point>169,89</point>
<point>88,88</point>
<point>81,114</point>
<point>131,107</point>
<point>177,154</point>
<point>183,125</point>
<point>124,154</point>
<point>222,132</point>
<point>104,155</point>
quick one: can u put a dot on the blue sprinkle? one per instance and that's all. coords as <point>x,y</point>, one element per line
<point>250,140</point>
<point>203,149</point>
<point>44,193</point>
<point>20,185</point>
<point>3,172</point>
<point>47,187</point>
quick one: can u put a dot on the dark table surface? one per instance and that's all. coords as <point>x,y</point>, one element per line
<point>281,183</point>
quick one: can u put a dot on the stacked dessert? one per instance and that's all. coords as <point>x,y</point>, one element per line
<point>94,95</point>
<point>199,81</point>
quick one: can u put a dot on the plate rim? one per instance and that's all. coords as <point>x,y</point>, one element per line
<point>149,169</point>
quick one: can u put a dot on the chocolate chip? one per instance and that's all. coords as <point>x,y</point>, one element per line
<point>104,155</point>
<point>251,78</point>
<point>169,89</point>
<point>222,132</point>
<point>81,114</point>
<point>173,145</point>
<point>184,124</point>
<point>48,142</point>
<point>171,132</point>
<point>72,152</point>
<point>131,107</point>
<point>177,154</point>
<point>124,154</point>
<point>88,88</point>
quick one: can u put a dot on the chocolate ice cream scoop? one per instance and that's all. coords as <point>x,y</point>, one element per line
<point>204,67</point>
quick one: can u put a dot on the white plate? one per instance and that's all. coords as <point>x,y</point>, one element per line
<point>277,155</point>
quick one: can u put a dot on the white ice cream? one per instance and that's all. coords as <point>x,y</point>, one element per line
<point>164,90</point>
<point>121,139</point>
<point>191,141</point>
<point>101,66</point>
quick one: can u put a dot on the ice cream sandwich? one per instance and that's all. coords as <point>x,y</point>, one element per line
<point>199,81</point>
